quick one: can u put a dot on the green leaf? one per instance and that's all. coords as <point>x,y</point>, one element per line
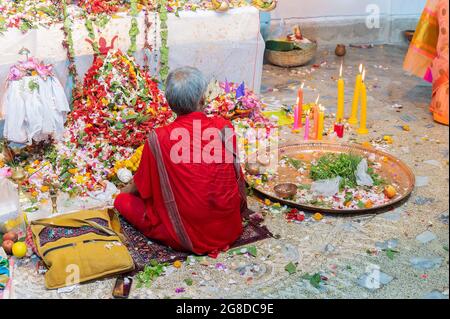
<point>314,280</point>
<point>188,281</point>
<point>31,209</point>
<point>243,250</point>
<point>291,268</point>
<point>361,204</point>
<point>252,251</point>
<point>390,253</point>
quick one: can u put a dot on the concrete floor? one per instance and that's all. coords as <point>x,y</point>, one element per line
<point>341,248</point>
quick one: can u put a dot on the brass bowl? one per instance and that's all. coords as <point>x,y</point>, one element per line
<point>285,190</point>
<point>252,168</point>
<point>220,6</point>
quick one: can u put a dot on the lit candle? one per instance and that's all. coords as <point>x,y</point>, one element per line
<point>354,116</point>
<point>321,116</point>
<point>298,109</point>
<point>306,136</point>
<point>363,121</point>
<point>340,101</point>
<point>316,117</point>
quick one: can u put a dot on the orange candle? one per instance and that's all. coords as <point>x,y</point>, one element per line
<point>316,117</point>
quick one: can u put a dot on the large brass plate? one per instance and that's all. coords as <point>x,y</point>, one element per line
<point>393,170</point>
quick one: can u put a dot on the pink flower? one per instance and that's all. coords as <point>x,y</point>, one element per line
<point>180,290</point>
<point>44,70</point>
<point>14,74</point>
<point>30,64</point>
<point>5,172</point>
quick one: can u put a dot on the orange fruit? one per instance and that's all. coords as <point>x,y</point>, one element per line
<point>390,191</point>
<point>19,249</point>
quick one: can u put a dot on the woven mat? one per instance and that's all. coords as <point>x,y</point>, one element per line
<point>143,250</point>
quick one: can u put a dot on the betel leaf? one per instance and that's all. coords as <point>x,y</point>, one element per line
<point>291,268</point>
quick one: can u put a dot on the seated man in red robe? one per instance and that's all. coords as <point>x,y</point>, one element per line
<point>188,192</point>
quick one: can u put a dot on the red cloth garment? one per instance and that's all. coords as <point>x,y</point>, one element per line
<point>206,194</point>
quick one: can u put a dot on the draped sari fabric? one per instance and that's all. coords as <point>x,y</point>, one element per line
<point>204,214</point>
<point>427,56</point>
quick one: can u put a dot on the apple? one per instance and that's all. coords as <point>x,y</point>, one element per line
<point>11,236</point>
<point>7,246</point>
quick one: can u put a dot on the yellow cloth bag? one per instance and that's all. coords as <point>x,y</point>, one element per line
<point>80,247</point>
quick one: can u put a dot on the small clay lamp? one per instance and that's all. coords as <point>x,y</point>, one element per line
<point>285,190</point>
<point>340,50</point>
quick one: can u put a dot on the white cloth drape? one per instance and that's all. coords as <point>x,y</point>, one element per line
<point>34,114</point>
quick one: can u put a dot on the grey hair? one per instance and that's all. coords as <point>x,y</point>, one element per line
<point>185,88</point>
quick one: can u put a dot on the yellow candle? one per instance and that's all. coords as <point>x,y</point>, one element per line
<point>340,102</point>
<point>321,123</point>
<point>363,122</point>
<point>354,116</point>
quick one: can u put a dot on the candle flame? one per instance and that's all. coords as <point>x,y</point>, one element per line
<point>340,71</point>
<point>317,100</point>
<point>303,84</point>
<point>360,68</point>
<point>363,74</point>
<point>298,100</point>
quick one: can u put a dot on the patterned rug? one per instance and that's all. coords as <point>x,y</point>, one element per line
<point>143,250</point>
